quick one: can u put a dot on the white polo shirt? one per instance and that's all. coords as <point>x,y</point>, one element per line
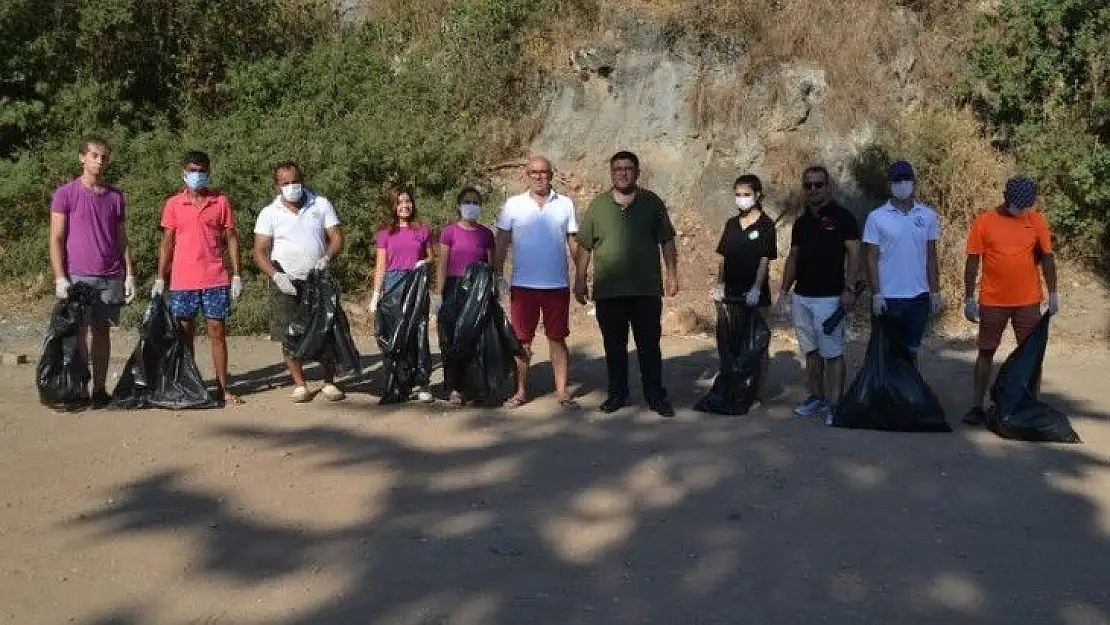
<point>539,239</point>
<point>902,239</point>
<point>299,238</point>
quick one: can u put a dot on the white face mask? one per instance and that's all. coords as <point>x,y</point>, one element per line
<point>292,192</point>
<point>470,211</point>
<point>902,190</point>
<point>745,203</point>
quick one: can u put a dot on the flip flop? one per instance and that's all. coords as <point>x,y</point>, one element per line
<point>513,402</point>
<point>568,403</point>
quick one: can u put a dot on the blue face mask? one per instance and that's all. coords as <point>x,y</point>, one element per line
<point>196,180</point>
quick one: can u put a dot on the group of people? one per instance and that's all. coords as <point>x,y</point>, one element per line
<point>623,236</point>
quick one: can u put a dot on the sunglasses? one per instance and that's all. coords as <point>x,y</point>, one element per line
<point>813,185</point>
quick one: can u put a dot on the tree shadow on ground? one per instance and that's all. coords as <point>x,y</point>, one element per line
<point>576,517</point>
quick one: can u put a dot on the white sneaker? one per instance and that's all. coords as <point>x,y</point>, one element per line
<point>301,395</point>
<point>422,395</point>
<point>332,392</point>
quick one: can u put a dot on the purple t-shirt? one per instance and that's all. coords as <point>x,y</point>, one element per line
<point>405,247</point>
<point>92,229</point>
<point>467,247</point>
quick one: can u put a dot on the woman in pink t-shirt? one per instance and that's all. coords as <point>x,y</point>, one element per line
<point>402,242</point>
<point>461,244</point>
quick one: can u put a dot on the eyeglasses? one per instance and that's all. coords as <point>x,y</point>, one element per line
<point>813,185</point>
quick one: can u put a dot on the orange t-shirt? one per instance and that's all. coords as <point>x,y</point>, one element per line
<point>1007,247</point>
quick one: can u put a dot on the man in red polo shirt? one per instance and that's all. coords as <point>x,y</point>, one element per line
<point>197,227</point>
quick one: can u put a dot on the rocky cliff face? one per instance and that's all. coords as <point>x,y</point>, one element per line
<point>699,116</point>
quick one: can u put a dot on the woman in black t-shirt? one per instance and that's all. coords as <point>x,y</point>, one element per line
<point>747,248</point>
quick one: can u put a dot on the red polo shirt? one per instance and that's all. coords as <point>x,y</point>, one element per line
<point>198,250</point>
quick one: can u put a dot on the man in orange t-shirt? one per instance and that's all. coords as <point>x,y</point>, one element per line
<point>198,227</point>
<point>1008,242</point>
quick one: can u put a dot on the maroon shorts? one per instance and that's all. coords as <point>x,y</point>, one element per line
<point>993,321</point>
<point>526,305</point>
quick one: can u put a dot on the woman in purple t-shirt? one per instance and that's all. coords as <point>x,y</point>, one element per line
<point>461,244</point>
<point>402,242</point>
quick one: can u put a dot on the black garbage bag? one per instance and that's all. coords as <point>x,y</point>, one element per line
<point>162,371</point>
<point>320,331</point>
<point>889,393</point>
<point>62,375</point>
<point>742,341</point>
<point>477,345</point>
<point>1017,413</point>
<point>401,329</point>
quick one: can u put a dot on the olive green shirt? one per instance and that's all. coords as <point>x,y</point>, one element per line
<point>625,244</point>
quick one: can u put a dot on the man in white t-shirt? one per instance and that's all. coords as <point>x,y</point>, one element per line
<point>900,242</point>
<point>296,233</point>
<point>540,226</point>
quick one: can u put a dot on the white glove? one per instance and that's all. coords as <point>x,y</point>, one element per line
<point>129,289</point>
<point>420,263</point>
<point>158,288</point>
<point>373,307</point>
<point>878,304</point>
<point>322,263</point>
<point>717,293</point>
<point>284,284</point>
<point>1053,303</point>
<point>61,288</point>
<point>971,310</point>
<point>936,303</point>
<point>236,287</point>
<point>751,298</point>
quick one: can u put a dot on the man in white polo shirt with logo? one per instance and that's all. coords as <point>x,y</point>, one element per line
<point>296,233</point>
<point>900,243</point>
<point>540,226</point>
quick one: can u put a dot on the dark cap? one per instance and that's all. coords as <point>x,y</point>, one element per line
<point>900,170</point>
<point>1021,192</point>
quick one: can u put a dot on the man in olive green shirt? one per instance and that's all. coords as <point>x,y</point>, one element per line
<point>624,230</point>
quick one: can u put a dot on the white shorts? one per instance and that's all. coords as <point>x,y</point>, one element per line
<point>809,314</point>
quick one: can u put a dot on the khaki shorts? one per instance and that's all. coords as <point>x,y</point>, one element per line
<point>993,321</point>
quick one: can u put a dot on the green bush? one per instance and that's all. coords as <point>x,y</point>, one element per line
<point>1044,66</point>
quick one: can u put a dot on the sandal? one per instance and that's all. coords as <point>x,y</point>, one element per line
<point>515,401</point>
<point>568,403</point>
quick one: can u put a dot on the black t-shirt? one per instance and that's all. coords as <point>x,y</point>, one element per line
<point>821,251</point>
<point>742,249</point>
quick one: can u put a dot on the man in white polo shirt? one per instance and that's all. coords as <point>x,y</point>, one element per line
<point>296,233</point>
<point>540,226</point>
<point>900,242</point>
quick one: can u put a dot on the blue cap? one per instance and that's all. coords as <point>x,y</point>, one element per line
<point>1021,192</point>
<point>900,170</point>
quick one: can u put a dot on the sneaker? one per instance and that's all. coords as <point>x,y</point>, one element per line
<point>662,407</point>
<point>830,414</point>
<point>301,395</point>
<point>975,416</point>
<point>332,392</point>
<point>423,396</point>
<point>811,406</point>
<point>612,404</point>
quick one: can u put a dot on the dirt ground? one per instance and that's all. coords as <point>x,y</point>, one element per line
<point>272,513</point>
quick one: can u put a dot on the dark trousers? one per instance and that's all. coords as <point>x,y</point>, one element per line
<point>643,314</point>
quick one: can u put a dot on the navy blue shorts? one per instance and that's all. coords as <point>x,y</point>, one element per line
<point>214,304</point>
<point>910,315</point>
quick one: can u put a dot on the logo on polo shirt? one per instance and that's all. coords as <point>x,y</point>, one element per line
<point>753,235</point>
<point>919,221</point>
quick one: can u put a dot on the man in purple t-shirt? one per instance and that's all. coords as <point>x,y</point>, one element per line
<point>88,243</point>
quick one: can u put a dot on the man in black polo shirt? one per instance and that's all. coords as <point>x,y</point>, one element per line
<point>822,238</point>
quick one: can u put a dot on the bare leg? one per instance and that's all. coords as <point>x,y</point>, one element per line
<point>815,374</point>
<point>982,376</point>
<point>560,363</point>
<point>217,338</point>
<point>522,376</point>
<point>296,371</point>
<point>835,369</point>
<point>101,352</point>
